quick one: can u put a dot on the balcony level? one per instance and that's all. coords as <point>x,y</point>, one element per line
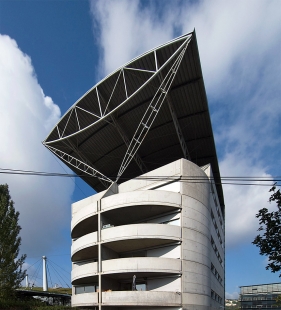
<point>85,248</point>
<point>122,266</point>
<point>123,209</point>
<point>85,273</point>
<point>125,238</point>
<point>123,269</point>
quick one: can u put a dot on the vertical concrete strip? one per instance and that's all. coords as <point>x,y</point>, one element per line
<point>99,252</point>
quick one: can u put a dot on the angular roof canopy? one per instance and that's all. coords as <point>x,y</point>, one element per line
<point>148,113</point>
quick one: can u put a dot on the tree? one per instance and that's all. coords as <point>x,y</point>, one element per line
<point>278,301</point>
<point>270,224</point>
<point>11,273</point>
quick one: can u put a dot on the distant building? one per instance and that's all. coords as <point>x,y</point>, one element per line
<point>262,296</point>
<point>153,236</point>
<point>230,303</point>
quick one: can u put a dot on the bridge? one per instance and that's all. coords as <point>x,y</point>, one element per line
<point>49,296</point>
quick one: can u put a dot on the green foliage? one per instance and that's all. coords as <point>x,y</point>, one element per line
<point>11,273</point>
<point>270,224</point>
<point>278,301</point>
<point>17,304</point>
<point>60,290</point>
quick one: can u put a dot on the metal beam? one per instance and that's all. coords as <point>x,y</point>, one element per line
<point>151,112</point>
<point>176,123</point>
<point>84,159</point>
<point>178,129</point>
<point>126,140</point>
<point>80,165</point>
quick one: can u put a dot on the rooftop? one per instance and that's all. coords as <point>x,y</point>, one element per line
<point>148,113</point>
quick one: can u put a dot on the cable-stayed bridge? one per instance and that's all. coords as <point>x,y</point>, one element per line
<point>44,288</point>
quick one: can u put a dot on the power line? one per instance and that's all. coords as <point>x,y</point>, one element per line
<point>28,257</point>
<point>75,183</point>
<point>38,173</point>
<point>228,180</point>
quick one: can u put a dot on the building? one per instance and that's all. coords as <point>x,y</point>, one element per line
<point>153,235</point>
<point>262,296</point>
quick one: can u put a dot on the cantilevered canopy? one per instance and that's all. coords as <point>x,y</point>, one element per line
<point>148,113</point>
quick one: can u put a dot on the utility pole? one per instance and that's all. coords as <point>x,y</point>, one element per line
<point>45,280</point>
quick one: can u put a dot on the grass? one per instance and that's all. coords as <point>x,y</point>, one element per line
<point>61,290</point>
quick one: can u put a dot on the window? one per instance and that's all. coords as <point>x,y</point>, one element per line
<point>141,286</point>
<point>85,289</point>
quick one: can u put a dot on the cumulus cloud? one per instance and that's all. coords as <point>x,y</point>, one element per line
<point>26,117</point>
<point>243,202</point>
<point>239,51</point>
<point>124,31</point>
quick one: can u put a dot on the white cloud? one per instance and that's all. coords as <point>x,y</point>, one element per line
<point>240,56</point>
<point>243,202</point>
<point>126,31</point>
<point>26,117</point>
<point>233,38</point>
<point>234,295</point>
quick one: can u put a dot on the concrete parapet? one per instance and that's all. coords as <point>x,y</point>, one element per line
<point>141,298</point>
<point>142,264</point>
<point>141,198</point>
<point>86,300</point>
<point>84,213</point>
<point>140,231</point>
<point>84,242</point>
<point>84,271</point>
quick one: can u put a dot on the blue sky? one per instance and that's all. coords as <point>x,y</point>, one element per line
<point>52,52</point>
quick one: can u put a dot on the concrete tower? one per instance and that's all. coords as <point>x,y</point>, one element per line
<point>153,235</point>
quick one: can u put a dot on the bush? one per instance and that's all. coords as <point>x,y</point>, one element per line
<point>28,304</point>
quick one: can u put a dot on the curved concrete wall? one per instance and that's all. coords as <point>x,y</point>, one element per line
<point>84,271</point>
<point>195,215</point>
<point>197,190</point>
<point>141,264</point>
<point>84,242</point>
<point>86,299</point>
<point>177,258</point>
<point>85,212</point>
<point>196,237</point>
<point>141,298</point>
<point>141,198</point>
<point>140,231</point>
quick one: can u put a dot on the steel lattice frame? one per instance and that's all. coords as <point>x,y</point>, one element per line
<point>152,111</point>
<point>106,113</point>
<point>80,165</point>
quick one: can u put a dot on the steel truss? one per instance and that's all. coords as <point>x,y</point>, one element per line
<point>126,140</point>
<point>151,112</point>
<point>82,166</point>
<point>105,113</point>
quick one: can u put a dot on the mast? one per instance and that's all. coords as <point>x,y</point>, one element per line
<point>45,280</point>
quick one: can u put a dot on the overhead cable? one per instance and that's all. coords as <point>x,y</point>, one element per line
<point>228,180</point>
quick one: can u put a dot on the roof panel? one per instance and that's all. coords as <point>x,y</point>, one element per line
<point>104,142</point>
